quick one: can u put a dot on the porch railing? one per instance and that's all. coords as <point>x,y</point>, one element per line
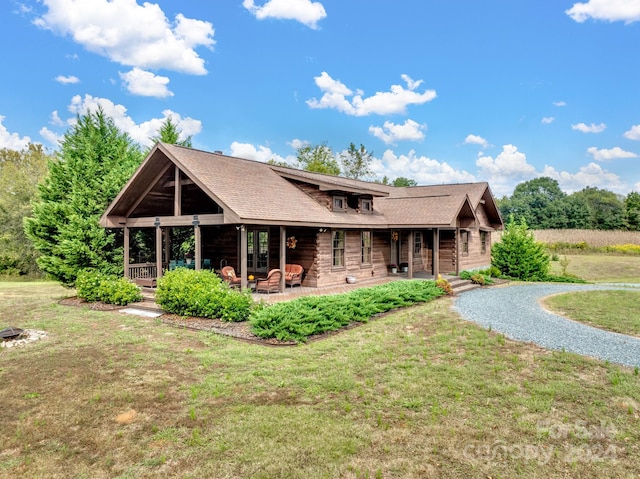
<point>143,270</point>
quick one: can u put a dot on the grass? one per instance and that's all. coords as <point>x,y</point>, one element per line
<point>415,393</point>
<point>612,310</point>
<point>601,267</point>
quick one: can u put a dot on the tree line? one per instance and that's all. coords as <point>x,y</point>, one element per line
<point>543,205</point>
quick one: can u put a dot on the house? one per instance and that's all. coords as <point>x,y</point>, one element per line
<point>255,217</point>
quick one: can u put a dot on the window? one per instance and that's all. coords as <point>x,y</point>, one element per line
<point>366,206</point>
<point>464,240</point>
<point>338,249</point>
<point>339,203</point>
<point>483,242</point>
<point>365,257</point>
<point>417,242</point>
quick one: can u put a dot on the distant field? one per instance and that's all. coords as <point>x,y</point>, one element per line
<point>594,238</point>
<point>601,268</point>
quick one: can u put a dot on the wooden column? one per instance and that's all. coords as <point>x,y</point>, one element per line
<point>410,245</point>
<point>436,252</point>
<point>457,246</point>
<point>167,245</point>
<point>126,252</point>
<point>198,237</point>
<point>283,255</point>
<point>158,249</point>
<point>243,257</point>
<point>177,194</point>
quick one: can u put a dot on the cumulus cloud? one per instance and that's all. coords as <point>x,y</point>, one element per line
<point>131,34</point>
<point>593,128</point>
<point>560,103</point>
<point>304,11</point>
<point>633,133</point>
<point>611,154</point>
<point>390,132</point>
<point>547,120</point>
<point>589,175</point>
<point>259,153</point>
<point>296,143</point>
<point>627,11</point>
<point>335,96</point>
<point>12,141</point>
<point>141,133</point>
<point>144,83</point>
<point>65,80</point>
<point>420,168</point>
<point>50,136</point>
<point>476,140</point>
<point>506,169</point>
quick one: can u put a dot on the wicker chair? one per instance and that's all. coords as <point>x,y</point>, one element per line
<point>270,284</point>
<point>229,275</point>
<point>293,275</point>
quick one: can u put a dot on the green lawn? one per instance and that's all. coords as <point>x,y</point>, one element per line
<point>601,268</point>
<point>415,393</point>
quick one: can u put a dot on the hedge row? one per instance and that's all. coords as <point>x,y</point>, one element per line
<point>93,285</point>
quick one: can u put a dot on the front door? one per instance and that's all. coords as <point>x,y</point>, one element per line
<point>257,251</point>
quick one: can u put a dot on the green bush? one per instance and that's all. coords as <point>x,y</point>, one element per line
<point>203,294</point>
<point>303,317</point>
<point>518,255</point>
<point>92,285</point>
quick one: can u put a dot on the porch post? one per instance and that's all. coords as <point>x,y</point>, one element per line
<point>283,255</point>
<point>196,233</point>
<point>436,252</point>
<point>126,252</point>
<point>167,245</point>
<point>410,246</point>
<point>158,248</point>
<point>243,257</point>
<point>457,243</point>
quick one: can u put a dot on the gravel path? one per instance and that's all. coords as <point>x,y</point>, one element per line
<point>515,311</point>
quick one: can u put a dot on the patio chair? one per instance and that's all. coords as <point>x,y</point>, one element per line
<point>206,264</point>
<point>293,275</point>
<point>270,284</point>
<point>229,275</point>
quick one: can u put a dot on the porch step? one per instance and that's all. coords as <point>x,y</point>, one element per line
<point>462,285</point>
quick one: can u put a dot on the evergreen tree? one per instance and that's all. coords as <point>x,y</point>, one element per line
<point>518,255</point>
<point>170,133</point>
<point>94,163</point>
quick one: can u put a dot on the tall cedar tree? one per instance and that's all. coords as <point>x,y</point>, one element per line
<point>518,255</point>
<point>94,163</point>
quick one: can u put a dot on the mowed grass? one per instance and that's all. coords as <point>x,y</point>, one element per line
<point>601,267</point>
<point>612,310</point>
<point>412,394</point>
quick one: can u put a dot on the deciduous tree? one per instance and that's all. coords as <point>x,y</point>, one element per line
<point>318,158</point>
<point>356,162</point>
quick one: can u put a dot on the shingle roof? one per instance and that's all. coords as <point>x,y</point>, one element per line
<point>255,191</point>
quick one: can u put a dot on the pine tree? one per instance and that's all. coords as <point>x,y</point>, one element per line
<point>95,161</point>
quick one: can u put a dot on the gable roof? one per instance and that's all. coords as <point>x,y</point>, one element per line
<point>254,192</point>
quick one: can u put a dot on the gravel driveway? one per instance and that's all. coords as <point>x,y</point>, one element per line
<point>515,311</point>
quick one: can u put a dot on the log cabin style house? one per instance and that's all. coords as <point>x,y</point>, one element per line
<point>256,217</point>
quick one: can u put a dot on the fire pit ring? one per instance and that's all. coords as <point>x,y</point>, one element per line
<point>11,333</point>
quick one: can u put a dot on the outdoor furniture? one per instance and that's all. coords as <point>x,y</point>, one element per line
<point>293,274</point>
<point>270,284</point>
<point>229,275</point>
<point>206,264</point>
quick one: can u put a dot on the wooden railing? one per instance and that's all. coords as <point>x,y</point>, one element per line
<point>142,270</point>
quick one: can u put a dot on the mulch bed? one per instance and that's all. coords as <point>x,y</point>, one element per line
<point>96,306</point>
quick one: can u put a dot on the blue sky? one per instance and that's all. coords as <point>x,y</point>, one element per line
<point>441,91</point>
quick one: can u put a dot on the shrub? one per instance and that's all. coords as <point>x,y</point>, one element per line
<point>478,279</point>
<point>201,293</point>
<point>92,285</point>
<point>303,317</point>
<point>444,285</point>
<point>518,255</point>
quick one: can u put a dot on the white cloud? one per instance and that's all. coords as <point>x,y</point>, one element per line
<point>612,154</point>
<point>390,132</point>
<point>627,11</point>
<point>560,103</point>
<point>382,103</point>
<point>304,11</point>
<point>144,83</point>
<point>593,128</point>
<point>65,80</point>
<point>131,34</point>
<point>420,168</point>
<point>261,153</point>
<point>507,169</point>
<point>476,140</point>
<point>547,120</point>
<point>633,133</point>
<point>141,133</point>
<point>296,143</point>
<point>12,141</point>
<point>50,136</point>
<point>589,175</point>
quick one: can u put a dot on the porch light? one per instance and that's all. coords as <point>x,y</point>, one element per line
<point>195,221</point>
<point>156,223</point>
<point>322,230</point>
